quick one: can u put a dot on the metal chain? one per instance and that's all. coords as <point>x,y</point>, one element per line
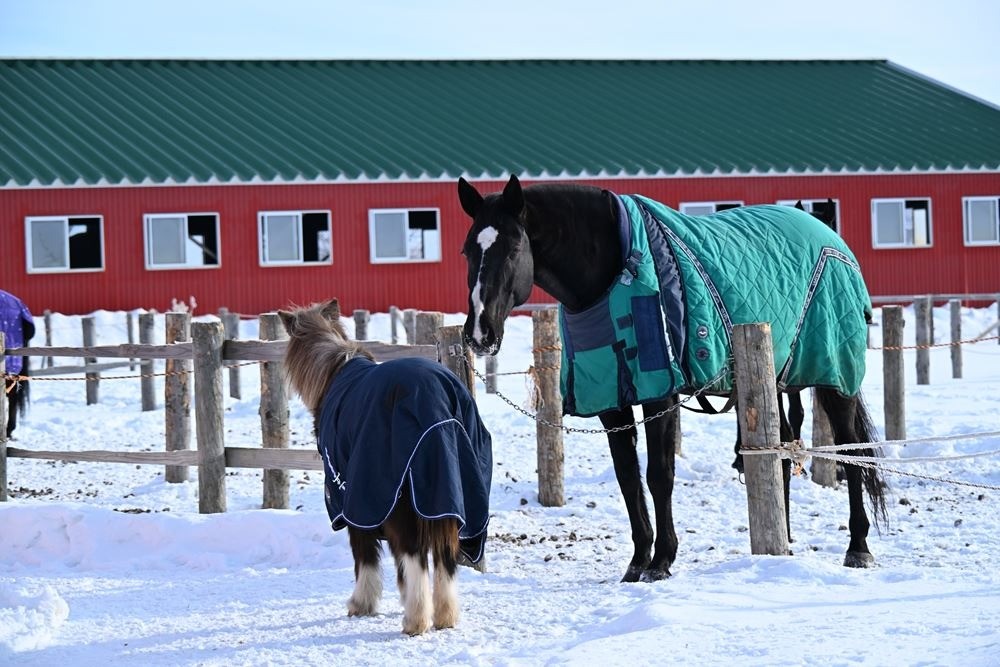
<point>570,429</point>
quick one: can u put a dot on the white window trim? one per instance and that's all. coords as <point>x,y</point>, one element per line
<point>299,213</point>
<point>713,204</point>
<point>792,202</point>
<point>401,260</point>
<point>65,220</point>
<point>965,220</point>
<point>147,217</point>
<point>902,246</point>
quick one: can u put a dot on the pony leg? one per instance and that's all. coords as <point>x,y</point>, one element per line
<point>661,443</point>
<point>444,546</point>
<point>367,572</point>
<point>626,461</point>
<point>850,422</point>
<point>403,530</point>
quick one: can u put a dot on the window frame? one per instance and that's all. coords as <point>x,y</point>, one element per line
<point>147,240</point>
<point>65,219</point>
<point>810,202</point>
<point>902,246</point>
<point>299,214</point>
<point>374,259</point>
<point>966,221</point>
<point>729,203</point>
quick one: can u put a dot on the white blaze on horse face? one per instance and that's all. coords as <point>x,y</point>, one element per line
<point>486,239</point>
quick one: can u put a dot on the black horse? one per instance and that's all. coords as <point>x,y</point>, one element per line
<point>566,239</point>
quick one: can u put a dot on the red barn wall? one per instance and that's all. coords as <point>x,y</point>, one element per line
<point>243,286</point>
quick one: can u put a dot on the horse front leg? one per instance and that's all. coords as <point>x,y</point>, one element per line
<point>662,436</point>
<point>626,462</point>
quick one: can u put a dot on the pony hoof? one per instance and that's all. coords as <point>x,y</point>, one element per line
<point>654,574</point>
<point>859,559</point>
<point>632,574</point>
<point>354,608</point>
<point>416,627</point>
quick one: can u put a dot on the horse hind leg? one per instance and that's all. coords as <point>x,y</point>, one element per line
<point>367,572</point>
<point>403,532</point>
<point>850,423</point>
<point>443,543</point>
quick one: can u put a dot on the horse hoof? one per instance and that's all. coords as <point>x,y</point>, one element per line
<point>632,574</point>
<point>654,574</point>
<point>859,559</point>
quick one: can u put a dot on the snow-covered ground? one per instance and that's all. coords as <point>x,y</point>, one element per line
<point>106,564</point>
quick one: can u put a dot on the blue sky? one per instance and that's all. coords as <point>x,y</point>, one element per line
<point>953,41</point>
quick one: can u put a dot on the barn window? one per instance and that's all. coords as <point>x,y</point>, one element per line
<point>827,210</point>
<point>404,235</point>
<point>901,223</point>
<point>64,243</point>
<point>982,220</point>
<point>707,207</point>
<point>182,240</point>
<point>295,237</point>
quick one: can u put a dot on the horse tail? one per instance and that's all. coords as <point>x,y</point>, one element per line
<point>875,484</point>
<point>24,387</point>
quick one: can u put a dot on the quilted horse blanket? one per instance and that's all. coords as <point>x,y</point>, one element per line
<point>405,420</point>
<point>664,326</point>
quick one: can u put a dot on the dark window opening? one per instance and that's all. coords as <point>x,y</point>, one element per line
<point>84,243</point>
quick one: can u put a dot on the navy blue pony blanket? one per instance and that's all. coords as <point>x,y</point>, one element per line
<point>406,420</point>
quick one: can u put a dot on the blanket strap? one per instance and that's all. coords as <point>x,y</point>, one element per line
<point>709,409</point>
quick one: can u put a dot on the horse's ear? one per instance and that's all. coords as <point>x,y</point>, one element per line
<point>471,200</point>
<point>513,196</point>
<point>331,310</point>
<point>288,320</point>
<point>799,205</point>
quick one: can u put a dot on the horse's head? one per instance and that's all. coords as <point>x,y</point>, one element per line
<point>501,268</point>
<point>318,347</point>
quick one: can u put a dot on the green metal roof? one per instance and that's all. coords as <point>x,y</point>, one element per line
<point>87,122</point>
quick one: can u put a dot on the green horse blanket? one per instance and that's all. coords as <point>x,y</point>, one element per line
<point>664,326</point>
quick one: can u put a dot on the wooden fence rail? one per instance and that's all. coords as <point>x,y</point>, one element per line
<point>208,353</point>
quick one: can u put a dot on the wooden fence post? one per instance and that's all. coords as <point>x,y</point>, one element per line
<point>760,426</point>
<point>3,424</point>
<point>547,346</point>
<point>393,324</point>
<point>92,379</point>
<point>491,374</point>
<point>923,337</point>
<point>893,373</point>
<point>48,333</point>
<point>409,325</point>
<point>231,331</point>
<point>823,471</point>
<point>177,396</point>
<point>207,340</point>
<point>274,413</point>
<point>130,332</point>
<point>955,307</point>
<point>146,368</point>
<point>426,326</point>
<point>361,319</point>
<point>453,353</point>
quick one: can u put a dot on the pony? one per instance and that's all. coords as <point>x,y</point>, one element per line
<point>577,243</point>
<point>406,460</point>
<point>18,327</point>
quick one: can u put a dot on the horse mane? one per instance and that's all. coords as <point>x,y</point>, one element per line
<point>318,348</point>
